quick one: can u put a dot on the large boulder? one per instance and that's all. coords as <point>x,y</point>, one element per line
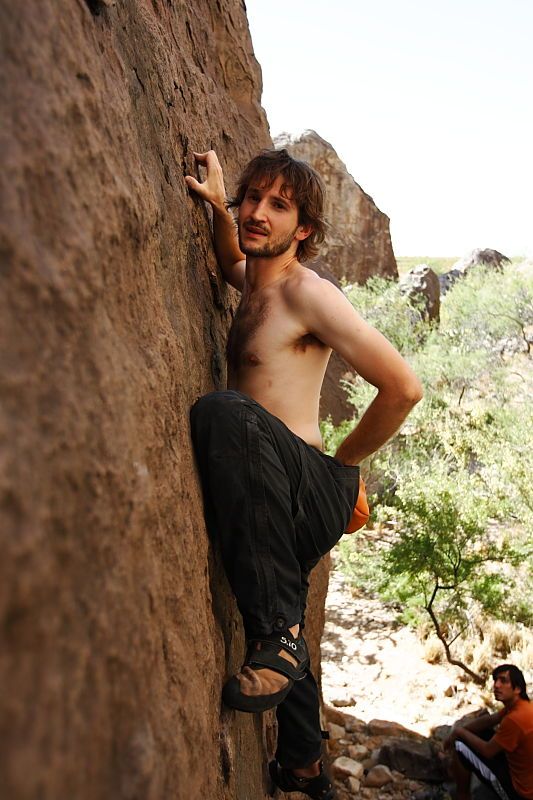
<point>118,627</point>
<point>421,286</point>
<point>385,727</point>
<point>487,256</point>
<point>477,257</point>
<point>358,243</point>
<point>415,759</point>
<point>447,280</point>
<point>358,246</point>
<point>334,401</point>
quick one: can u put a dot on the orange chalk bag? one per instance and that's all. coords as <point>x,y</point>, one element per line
<point>361,512</point>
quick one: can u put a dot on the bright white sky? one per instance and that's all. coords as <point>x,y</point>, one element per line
<point>428,102</point>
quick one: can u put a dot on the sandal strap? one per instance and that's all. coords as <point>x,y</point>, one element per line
<point>318,788</point>
<point>268,656</point>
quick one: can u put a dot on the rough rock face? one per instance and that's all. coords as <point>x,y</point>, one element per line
<point>118,627</point>
<point>489,257</point>
<point>358,243</point>
<point>447,280</point>
<point>333,398</point>
<point>421,285</point>
<point>415,759</point>
<point>382,753</point>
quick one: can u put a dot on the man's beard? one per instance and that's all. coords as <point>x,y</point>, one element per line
<point>274,248</point>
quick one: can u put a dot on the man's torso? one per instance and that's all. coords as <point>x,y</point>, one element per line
<point>515,735</point>
<point>274,359</point>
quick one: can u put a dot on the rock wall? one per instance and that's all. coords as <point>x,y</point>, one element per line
<point>358,243</point>
<point>117,626</point>
<point>358,246</point>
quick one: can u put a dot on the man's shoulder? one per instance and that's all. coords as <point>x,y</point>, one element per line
<point>518,718</point>
<point>305,286</point>
<point>522,710</point>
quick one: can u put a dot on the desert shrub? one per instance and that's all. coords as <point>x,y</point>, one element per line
<point>451,493</point>
<point>482,658</point>
<point>433,650</point>
<point>438,265</point>
<point>488,309</point>
<point>501,637</point>
<point>382,304</point>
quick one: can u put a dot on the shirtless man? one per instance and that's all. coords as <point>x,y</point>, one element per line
<point>274,501</point>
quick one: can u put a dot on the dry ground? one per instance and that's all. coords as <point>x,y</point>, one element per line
<point>375,667</point>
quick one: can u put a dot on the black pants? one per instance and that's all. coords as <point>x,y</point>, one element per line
<point>493,772</point>
<point>275,505</point>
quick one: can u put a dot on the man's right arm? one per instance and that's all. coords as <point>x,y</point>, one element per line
<point>230,259</point>
<point>327,313</point>
<point>477,725</point>
<point>484,722</point>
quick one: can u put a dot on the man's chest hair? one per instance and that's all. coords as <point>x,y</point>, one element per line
<point>251,315</point>
<point>261,329</point>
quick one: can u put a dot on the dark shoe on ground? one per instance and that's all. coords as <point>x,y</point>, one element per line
<point>318,788</point>
<point>268,658</point>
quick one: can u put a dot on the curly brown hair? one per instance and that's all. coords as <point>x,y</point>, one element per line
<point>307,191</point>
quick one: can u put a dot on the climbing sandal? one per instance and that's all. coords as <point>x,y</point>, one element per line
<point>318,788</point>
<point>267,657</point>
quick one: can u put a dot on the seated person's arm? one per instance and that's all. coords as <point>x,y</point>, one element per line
<point>486,749</point>
<point>328,314</point>
<point>230,259</point>
<point>477,725</point>
<point>484,722</point>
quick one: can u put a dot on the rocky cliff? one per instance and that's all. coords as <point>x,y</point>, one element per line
<point>358,246</point>
<point>358,243</point>
<point>117,626</point>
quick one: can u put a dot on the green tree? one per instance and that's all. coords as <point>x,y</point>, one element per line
<point>452,492</point>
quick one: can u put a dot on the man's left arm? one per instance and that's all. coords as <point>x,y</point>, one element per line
<point>329,315</point>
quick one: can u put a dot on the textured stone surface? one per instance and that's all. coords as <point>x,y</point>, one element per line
<point>421,285</point>
<point>353,785</point>
<point>358,242</point>
<point>392,763</point>
<point>335,731</point>
<point>357,751</point>
<point>118,628</point>
<point>384,727</point>
<point>378,776</point>
<point>347,767</point>
<point>334,715</point>
<point>358,245</point>
<point>413,759</point>
<point>333,397</point>
<point>447,279</point>
<point>489,257</point>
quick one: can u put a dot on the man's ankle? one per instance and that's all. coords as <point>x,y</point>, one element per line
<point>312,771</point>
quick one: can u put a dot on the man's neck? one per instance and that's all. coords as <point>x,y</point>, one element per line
<point>261,272</point>
<point>509,704</point>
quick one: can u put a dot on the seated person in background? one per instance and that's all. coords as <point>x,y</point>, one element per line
<point>502,758</point>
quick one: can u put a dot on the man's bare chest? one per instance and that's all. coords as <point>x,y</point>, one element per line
<point>264,331</point>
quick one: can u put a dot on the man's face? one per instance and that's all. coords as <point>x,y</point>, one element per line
<point>268,221</point>
<point>503,689</point>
